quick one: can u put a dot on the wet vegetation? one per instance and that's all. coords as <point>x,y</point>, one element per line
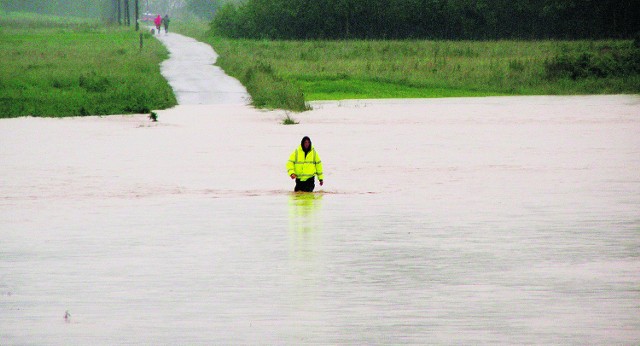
<point>287,74</point>
<point>73,67</point>
<point>607,61</point>
<point>288,120</point>
<point>67,8</point>
<point>429,19</point>
<point>289,52</point>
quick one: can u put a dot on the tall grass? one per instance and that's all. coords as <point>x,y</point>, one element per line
<point>190,26</point>
<point>279,74</point>
<point>18,21</point>
<point>331,70</point>
<point>61,67</point>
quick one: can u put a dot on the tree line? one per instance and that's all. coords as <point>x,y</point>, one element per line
<point>429,19</point>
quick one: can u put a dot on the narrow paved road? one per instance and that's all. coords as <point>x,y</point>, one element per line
<point>194,78</point>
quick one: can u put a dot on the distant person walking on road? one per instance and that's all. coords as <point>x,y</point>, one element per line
<point>165,22</point>
<point>158,22</point>
<point>303,165</point>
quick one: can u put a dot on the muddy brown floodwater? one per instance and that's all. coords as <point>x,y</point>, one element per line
<point>506,220</point>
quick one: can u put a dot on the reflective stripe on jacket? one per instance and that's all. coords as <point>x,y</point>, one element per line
<point>305,166</point>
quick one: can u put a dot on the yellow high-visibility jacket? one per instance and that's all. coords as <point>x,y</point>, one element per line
<point>305,166</point>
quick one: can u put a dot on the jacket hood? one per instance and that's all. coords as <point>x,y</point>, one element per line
<point>302,144</point>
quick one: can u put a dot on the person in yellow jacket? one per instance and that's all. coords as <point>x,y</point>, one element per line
<point>303,165</point>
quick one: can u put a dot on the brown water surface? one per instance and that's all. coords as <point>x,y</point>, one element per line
<point>465,221</point>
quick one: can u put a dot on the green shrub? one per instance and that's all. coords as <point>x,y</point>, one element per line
<point>516,65</point>
<point>608,62</point>
<point>93,83</point>
<point>271,91</point>
<point>288,120</point>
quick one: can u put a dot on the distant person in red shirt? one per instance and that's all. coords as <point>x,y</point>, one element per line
<point>158,22</point>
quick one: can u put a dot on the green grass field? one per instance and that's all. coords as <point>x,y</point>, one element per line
<point>66,67</point>
<point>286,74</point>
<point>335,70</point>
<point>55,66</point>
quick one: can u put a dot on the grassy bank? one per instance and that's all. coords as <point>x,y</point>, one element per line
<point>55,66</point>
<point>334,70</point>
<point>286,74</point>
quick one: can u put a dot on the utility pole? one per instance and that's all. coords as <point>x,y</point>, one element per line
<point>119,9</point>
<point>137,9</point>
<point>127,14</point>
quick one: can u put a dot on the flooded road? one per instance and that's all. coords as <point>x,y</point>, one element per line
<point>451,221</point>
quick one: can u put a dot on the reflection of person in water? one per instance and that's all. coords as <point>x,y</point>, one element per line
<point>303,165</point>
<point>305,260</point>
<point>303,212</point>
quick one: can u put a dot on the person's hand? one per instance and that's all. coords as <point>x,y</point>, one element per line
<point>321,182</point>
<point>293,176</point>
